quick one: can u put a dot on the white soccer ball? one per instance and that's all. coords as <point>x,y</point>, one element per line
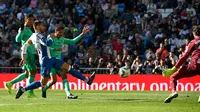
<point>124,72</point>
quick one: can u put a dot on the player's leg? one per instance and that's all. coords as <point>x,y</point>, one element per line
<point>50,83</point>
<point>66,85</point>
<point>31,66</point>
<point>183,72</point>
<point>45,69</point>
<point>33,85</point>
<point>8,85</point>
<point>75,73</point>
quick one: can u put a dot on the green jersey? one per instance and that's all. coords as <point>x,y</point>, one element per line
<point>23,36</point>
<point>59,43</point>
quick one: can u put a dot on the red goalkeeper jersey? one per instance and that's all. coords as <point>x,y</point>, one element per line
<point>192,49</point>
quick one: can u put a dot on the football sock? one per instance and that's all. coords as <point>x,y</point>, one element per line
<point>21,77</point>
<point>77,74</point>
<point>173,83</point>
<point>33,85</point>
<point>47,86</point>
<point>66,86</point>
<point>31,79</point>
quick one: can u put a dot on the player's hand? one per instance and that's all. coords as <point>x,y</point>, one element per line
<point>169,72</point>
<point>85,30</point>
<point>22,62</point>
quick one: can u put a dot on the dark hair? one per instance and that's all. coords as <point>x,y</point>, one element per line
<point>37,23</point>
<point>59,27</point>
<point>196,29</point>
<point>29,16</point>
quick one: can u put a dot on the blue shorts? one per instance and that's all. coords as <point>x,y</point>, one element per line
<point>48,63</point>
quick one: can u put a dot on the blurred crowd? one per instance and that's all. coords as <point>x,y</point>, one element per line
<point>122,32</point>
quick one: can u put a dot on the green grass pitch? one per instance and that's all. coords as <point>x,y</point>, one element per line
<point>100,101</point>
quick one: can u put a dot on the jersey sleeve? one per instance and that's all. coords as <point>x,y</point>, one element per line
<point>44,41</point>
<point>72,41</point>
<point>189,49</point>
<point>52,45</point>
<point>19,36</point>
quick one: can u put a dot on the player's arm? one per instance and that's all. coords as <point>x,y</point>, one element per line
<point>188,51</point>
<point>76,39</point>
<point>24,51</point>
<point>72,41</point>
<point>19,35</point>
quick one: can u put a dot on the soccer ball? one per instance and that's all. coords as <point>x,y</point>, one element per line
<point>124,72</point>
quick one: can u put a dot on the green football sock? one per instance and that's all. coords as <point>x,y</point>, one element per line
<point>31,79</point>
<point>21,77</point>
<point>66,86</point>
<point>47,86</point>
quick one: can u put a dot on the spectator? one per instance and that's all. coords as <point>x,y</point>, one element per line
<point>173,57</point>
<point>17,52</point>
<point>159,68</point>
<point>141,8</point>
<point>109,13</point>
<point>104,5</point>
<point>91,63</point>
<point>4,62</point>
<point>138,46</point>
<point>21,15</point>
<point>2,7</point>
<point>148,41</point>
<point>80,9</point>
<point>184,31</point>
<point>151,7</point>
<point>191,11</point>
<point>33,3</point>
<point>150,55</point>
<point>162,51</point>
<point>114,26</point>
<point>101,63</point>
<point>136,66</point>
<point>114,7</point>
<point>81,53</point>
<point>118,46</point>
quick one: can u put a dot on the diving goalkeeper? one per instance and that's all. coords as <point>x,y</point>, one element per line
<point>182,71</point>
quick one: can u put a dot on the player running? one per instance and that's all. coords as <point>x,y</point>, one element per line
<point>23,35</point>
<point>47,62</point>
<point>56,51</point>
<point>182,71</point>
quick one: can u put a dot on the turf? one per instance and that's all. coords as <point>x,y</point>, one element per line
<point>101,101</point>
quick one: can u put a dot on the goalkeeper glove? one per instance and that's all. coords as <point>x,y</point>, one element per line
<point>169,72</point>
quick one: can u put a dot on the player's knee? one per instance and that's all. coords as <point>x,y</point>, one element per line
<point>66,67</point>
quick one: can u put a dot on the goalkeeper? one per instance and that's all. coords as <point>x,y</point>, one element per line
<point>190,70</point>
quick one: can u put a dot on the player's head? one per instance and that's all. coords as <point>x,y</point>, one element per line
<point>59,31</point>
<point>196,31</point>
<point>39,26</point>
<point>29,19</point>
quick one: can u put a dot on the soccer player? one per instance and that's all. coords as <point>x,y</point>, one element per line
<point>56,51</point>
<point>182,71</point>
<point>23,35</point>
<point>47,62</point>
